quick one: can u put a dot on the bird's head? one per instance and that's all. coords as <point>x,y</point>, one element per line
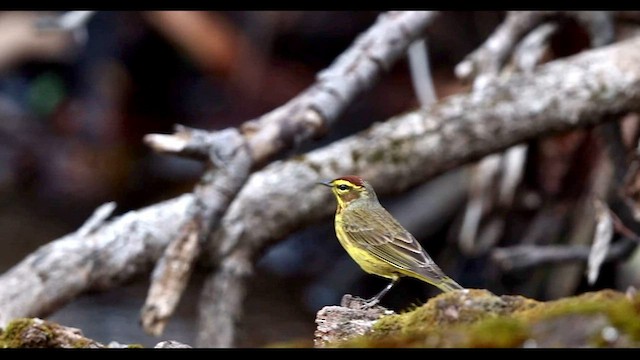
<point>350,188</point>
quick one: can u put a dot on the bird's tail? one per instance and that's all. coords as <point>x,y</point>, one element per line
<point>447,284</point>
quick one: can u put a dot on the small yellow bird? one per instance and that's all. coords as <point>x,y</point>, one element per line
<point>377,242</point>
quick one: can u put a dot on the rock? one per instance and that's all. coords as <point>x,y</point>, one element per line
<point>339,323</point>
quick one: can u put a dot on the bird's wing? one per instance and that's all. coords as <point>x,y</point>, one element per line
<point>385,239</point>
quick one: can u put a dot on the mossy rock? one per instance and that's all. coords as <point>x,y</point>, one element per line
<point>37,333</point>
<point>478,318</point>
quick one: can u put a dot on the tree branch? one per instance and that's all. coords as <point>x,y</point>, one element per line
<point>115,252</point>
<point>522,257</point>
<point>488,59</point>
<point>229,165</point>
<point>351,74</point>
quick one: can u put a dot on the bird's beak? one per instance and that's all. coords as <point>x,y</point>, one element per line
<point>325,183</point>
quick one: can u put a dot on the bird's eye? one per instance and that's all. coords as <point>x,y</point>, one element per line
<point>343,187</point>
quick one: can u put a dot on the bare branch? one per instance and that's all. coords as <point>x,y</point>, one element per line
<point>530,51</point>
<point>522,257</point>
<point>69,21</point>
<point>486,61</point>
<point>97,219</point>
<point>421,73</point>
<point>492,55</point>
<point>508,166</point>
<point>229,166</point>
<point>601,241</point>
<point>351,74</point>
<point>113,253</point>
<point>222,298</point>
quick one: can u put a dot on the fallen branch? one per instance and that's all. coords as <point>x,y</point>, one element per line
<point>228,167</point>
<point>522,257</point>
<point>112,253</point>
<point>489,58</point>
<point>354,72</point>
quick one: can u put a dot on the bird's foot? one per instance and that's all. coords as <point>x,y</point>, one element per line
<point>370,303</point>
<point>358,303</point>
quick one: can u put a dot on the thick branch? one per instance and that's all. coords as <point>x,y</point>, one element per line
<point>229,166</point>
<point>222,298</point>
<point>406,150</point>
<point>110,255</point>
<point>354,72</point>
<point>489,58</point>
<point>308,115</point>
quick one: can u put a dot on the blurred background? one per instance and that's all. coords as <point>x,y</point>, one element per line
<point>75,102</point>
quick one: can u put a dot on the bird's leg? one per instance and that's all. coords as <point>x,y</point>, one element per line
<point>376,299</point>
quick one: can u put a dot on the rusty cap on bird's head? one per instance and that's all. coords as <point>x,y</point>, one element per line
<point>355,180</point>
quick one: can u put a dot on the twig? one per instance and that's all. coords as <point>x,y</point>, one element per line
<point>493,53</point>
<point>97,219</point>
<point>601,242</point>
<point>530,51</point>
<point>115,252</point>
<point>69,21</point>
<point>504,168</point>
<point>420,73</point>
<point>486,61</point>
<point>522,257</point>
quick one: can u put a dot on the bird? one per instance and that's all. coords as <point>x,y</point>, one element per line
<point>377,242</point>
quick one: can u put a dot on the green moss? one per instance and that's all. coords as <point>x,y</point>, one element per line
<point>13,335</point>
<point>622,312</point>
<point>80,344</point>
<point>478,318</point>
<point>135,346</point>
<point>497,332</point>
<point>37,333</point>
